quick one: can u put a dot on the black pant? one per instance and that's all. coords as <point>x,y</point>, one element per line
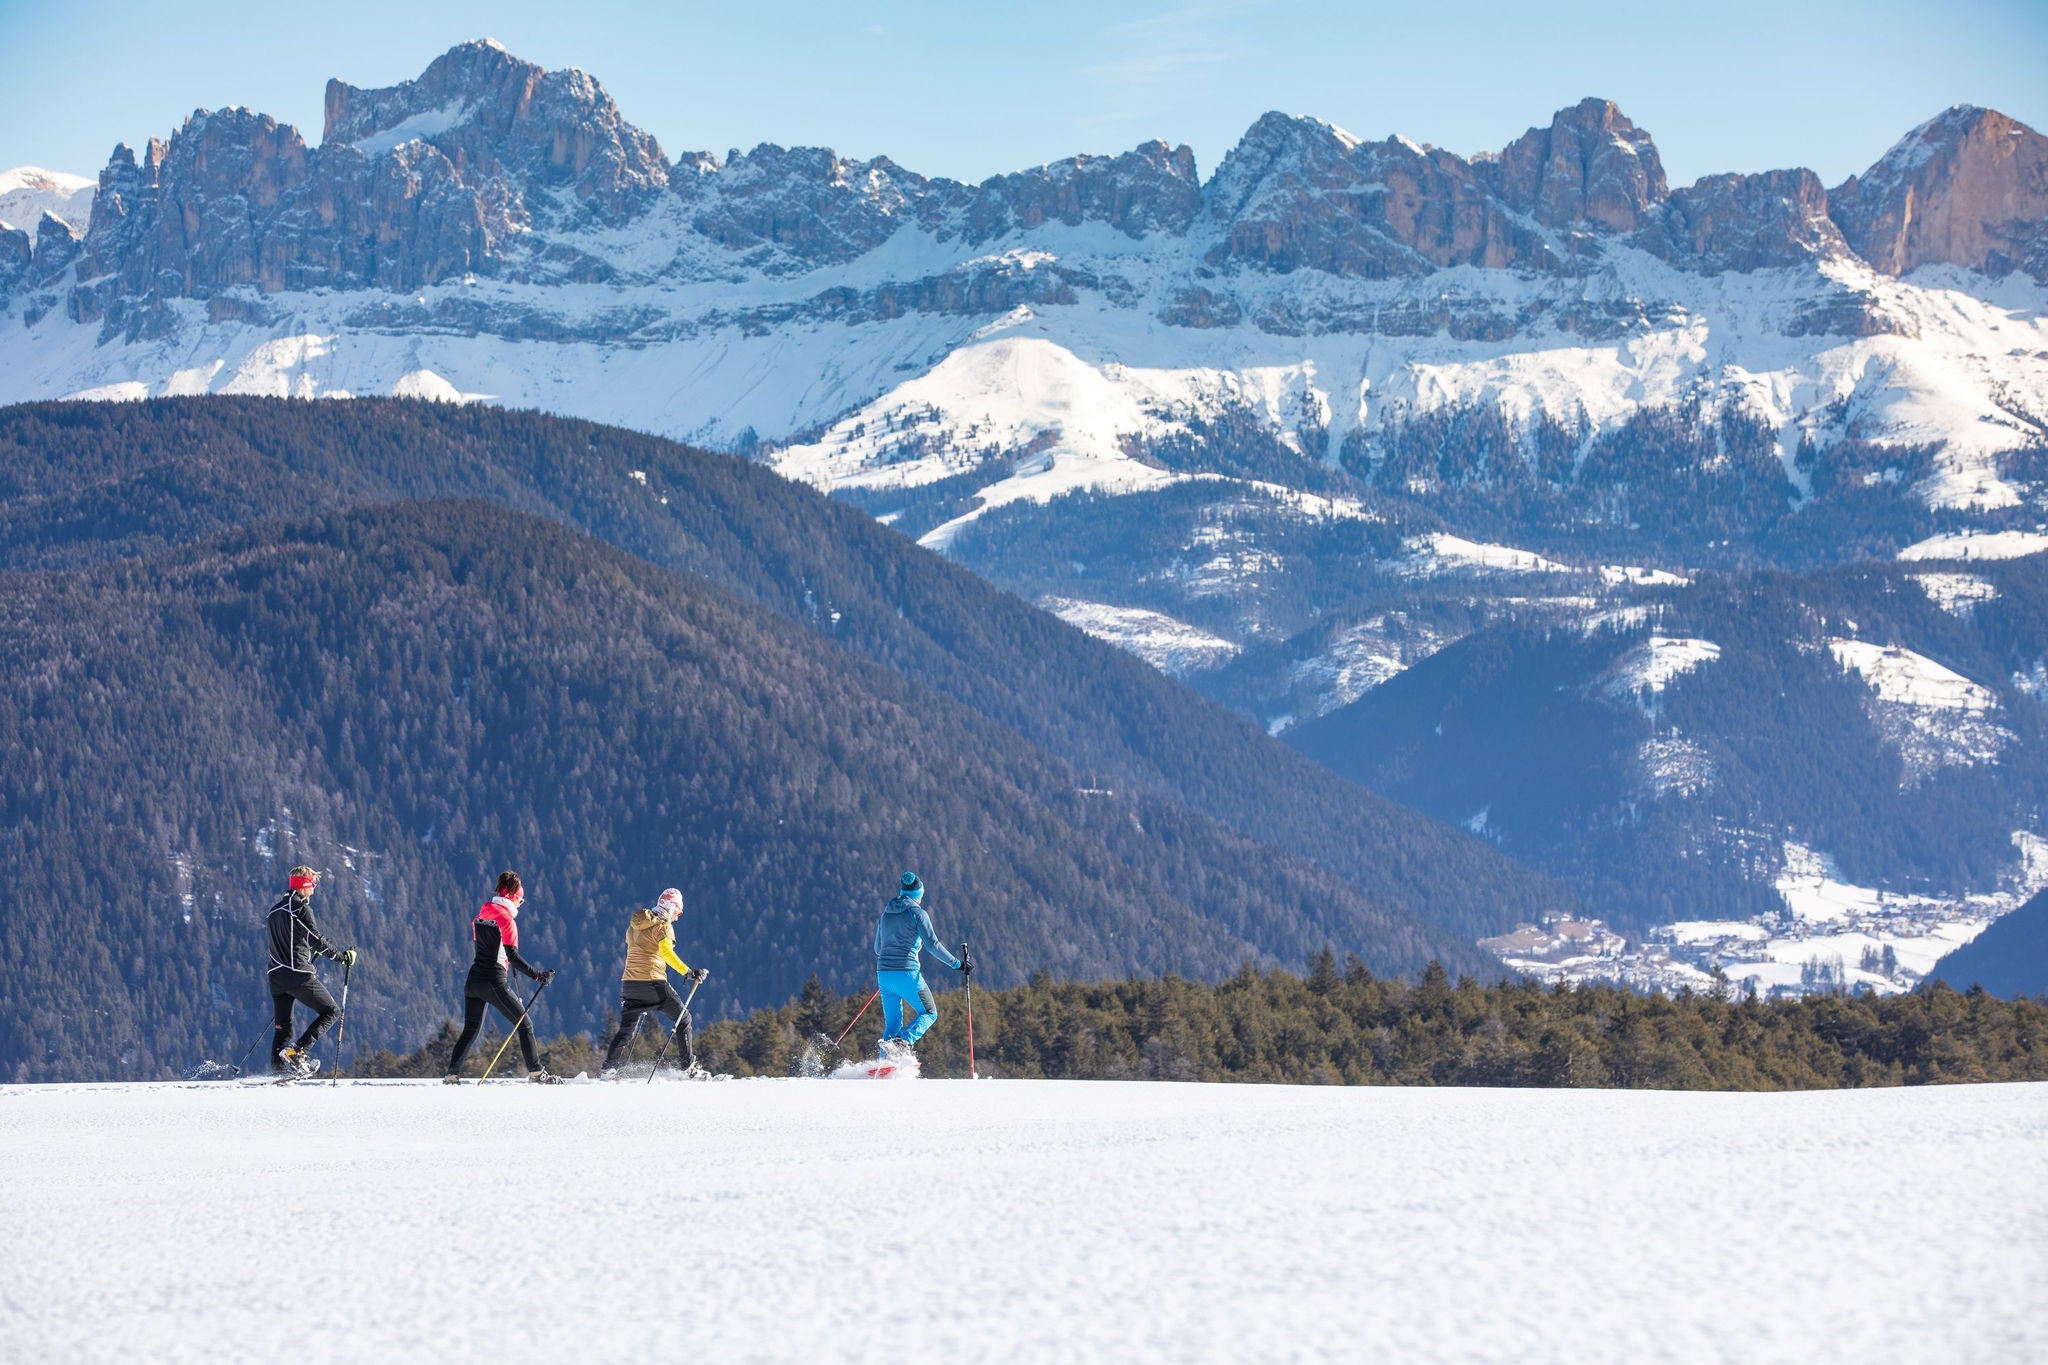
<point>490,988</point>
<point>640,997</point>
<point>289,988</point>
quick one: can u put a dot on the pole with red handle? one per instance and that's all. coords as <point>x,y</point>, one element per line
<point>856,1019</point>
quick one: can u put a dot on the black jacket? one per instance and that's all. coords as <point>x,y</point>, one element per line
<point>488,941</point>
<point>294,938</point>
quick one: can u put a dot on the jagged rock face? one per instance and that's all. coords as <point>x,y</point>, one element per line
<point>16,252</point>
<point>1969,187</point>
<point>1591,166</point>
<point>497,118</point>
<point>1744,222</point>
<point>416,184</point>
<point>798,207</point>
<point>1152,189</point>
<point>489,166</point>
<point>1300,194</point>
<point>57,246</point>
<point>195,216</point>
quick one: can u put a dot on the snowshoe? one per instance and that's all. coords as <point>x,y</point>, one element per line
<point>543,1077</point>
<point>610,1073</point>
<point>451,1079</point>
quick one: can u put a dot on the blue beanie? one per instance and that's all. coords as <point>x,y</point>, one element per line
<point>911,886</point>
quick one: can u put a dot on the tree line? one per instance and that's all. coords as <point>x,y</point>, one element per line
<point>1340,1024</point>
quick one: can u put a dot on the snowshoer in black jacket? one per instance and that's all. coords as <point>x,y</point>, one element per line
<point>294,938</point>
<point>495,931</point>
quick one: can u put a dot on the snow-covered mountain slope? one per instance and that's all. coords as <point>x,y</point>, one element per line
<point>1071,1220</point>
<point>29,192</point>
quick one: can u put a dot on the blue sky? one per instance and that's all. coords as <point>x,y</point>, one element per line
<point>969,90</point>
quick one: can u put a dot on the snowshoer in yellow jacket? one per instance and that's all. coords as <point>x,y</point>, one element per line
<point>643,985</point>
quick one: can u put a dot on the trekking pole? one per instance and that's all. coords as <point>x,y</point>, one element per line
<point>856,1019</point>
<point>252,1047</point>
<point>341,1024</point>
<point>515,1028</point>
<point>967,957</point>
<point>672,1032</point>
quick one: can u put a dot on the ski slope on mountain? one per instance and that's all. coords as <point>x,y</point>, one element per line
<point>790,1220</point>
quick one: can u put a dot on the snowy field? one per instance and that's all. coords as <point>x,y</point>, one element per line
<point>944,1221</point>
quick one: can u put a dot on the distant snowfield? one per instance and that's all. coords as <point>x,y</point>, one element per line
<point>943,1221</point>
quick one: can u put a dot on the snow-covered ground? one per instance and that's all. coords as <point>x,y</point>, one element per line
<point>1167,643</point>
<point>1934,715</point>
<point>1652,665</point>
<point>943,1221</point>
<point>29,192</point>
<point>1977,545</point>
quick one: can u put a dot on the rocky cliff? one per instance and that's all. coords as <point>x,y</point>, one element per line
<point>1968,187</point>
<point>489,167</point>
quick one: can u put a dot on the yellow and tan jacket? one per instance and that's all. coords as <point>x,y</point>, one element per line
<point>650,948</point>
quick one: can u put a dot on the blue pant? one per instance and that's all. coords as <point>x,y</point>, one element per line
<point>906,988</point>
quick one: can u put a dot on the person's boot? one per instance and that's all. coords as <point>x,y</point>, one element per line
<point>295,1064</point>
<point>451,1078</point>
<point>542,1076</point>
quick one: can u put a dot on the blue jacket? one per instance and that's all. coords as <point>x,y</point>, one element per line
<point>904,928</point>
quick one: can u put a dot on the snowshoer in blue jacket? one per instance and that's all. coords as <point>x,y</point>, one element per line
<point>903,930</point>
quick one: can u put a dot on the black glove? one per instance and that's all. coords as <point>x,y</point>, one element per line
<point>544,975</point>
<point>346,957</point>
<point>701,975</point>
<point>966,966</point>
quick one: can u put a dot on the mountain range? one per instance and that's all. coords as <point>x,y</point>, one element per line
<point>1288,431</point>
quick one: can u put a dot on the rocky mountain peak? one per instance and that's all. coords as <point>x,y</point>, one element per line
<point>1278,152</point>
<point>1153,187</point>
<point>1967,187</point>
<point>494,115</point>
<point>1300,193</point>
<point>1744,222</point>
<point>1591,166</point>
<point>798,207</point>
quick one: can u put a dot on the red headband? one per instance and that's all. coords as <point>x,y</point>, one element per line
<point>305,883</point>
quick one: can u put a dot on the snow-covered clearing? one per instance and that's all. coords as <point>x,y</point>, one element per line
<point>1956,593</point>
<point>1652,665</point>
<point>1440,553</point>
<point>798,1220</point>
<point>1167,643</point>
<point>1977,545</point>
<point>1909,679</point>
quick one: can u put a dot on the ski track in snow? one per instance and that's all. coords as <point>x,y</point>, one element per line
<point>785,1220</point>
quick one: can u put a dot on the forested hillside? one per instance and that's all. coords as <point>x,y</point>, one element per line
<point>80,482</point>
<point>1888,716</point>
<point>416,695</point>
<point>2010,958</point>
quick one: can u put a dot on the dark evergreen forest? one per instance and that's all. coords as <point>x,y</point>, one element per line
<point>1344,1025</point>
<point>82,482</point>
